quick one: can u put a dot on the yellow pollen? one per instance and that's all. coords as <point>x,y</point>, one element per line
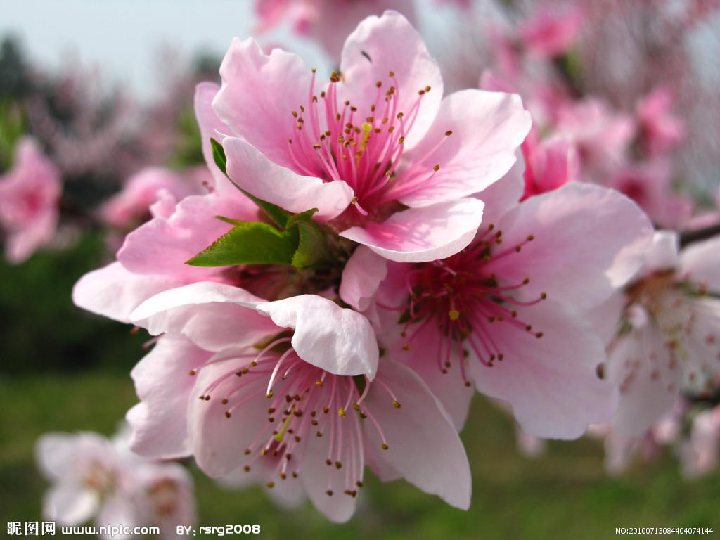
<point>454,314</point>
<point>396,404</point>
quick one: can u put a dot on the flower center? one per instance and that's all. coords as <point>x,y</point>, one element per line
<point>164,494</point>
<point>335,140</point>
<point>303,401</point>
<point>462,297</point>
<point>670,323</point>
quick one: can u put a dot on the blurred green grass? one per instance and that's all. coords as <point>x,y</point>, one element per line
<point>563,494</point>
<point>64,370</point>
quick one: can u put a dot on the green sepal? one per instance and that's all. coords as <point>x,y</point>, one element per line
<point>249,242</point>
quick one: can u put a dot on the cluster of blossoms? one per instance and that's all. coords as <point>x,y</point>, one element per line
<point>96,477</point>
<point>363,258</point>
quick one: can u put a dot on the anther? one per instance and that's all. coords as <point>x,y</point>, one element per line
<point>384,446</point>
<point>338,465</point>
<point>270,485</point>
<point>448,133</point>
<point>227,414</point>
<point>396,404</point>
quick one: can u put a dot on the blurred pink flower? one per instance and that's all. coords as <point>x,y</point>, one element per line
<point>549,164</point>
<point>252,381</point>
<point>378,135</point>
<point>548,33</point>
<point>663,331</point>
<point>29,198</point>
<point>659,129</point>
<point>96,477</point>
<point>601,135</point>
<point>649,185</point>
<point>504,312</point>
<point>128,207</point>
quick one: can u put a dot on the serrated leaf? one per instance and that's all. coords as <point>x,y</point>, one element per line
<point>302,216</point>
<point>249,242</point>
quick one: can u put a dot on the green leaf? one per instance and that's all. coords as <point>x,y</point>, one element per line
<point>218,153</point>
<point>273,211</point>
<point>249,242</point>
<point>312,247</point>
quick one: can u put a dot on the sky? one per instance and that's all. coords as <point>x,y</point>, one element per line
<point>124,37</point>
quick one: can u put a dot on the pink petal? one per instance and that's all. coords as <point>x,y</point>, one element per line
<point>422,443</point>
<point>662,253</point>
<point>448,388</point>
<point>333,21</point>
<point>645,393</point>
<point>257,95</point>
<point>588,241</point>
<point>393,45</point>
<point>422,234</point>
<point>163,382</point>
<point>220,442</point>
<point>701,262</point>
<point>361,277</point>
<point>487,128</point>
<point>317,478</point>
<point>163,245</point>
<point>501,196</point>
<point>255,173</point>
<point>55,454</point>
<point>211,315</point>
<point>340,341</point>
<point>551,382</point>
<point>70,504</point>
<point>114,292</point>
<point>211,127</point>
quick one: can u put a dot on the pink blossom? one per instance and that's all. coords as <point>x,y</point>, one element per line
<point>660,130</point>
<point>239,382</point>
<point>601,135</point>
<point>29,195</point>
<point>664,331</point>
<point>649,185</point>
<point>96,477</point>
<point>548,33</point>
<point>132,204</point>
<point>503,314</point>
<point>549,164</point>
<point>377,137</point>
